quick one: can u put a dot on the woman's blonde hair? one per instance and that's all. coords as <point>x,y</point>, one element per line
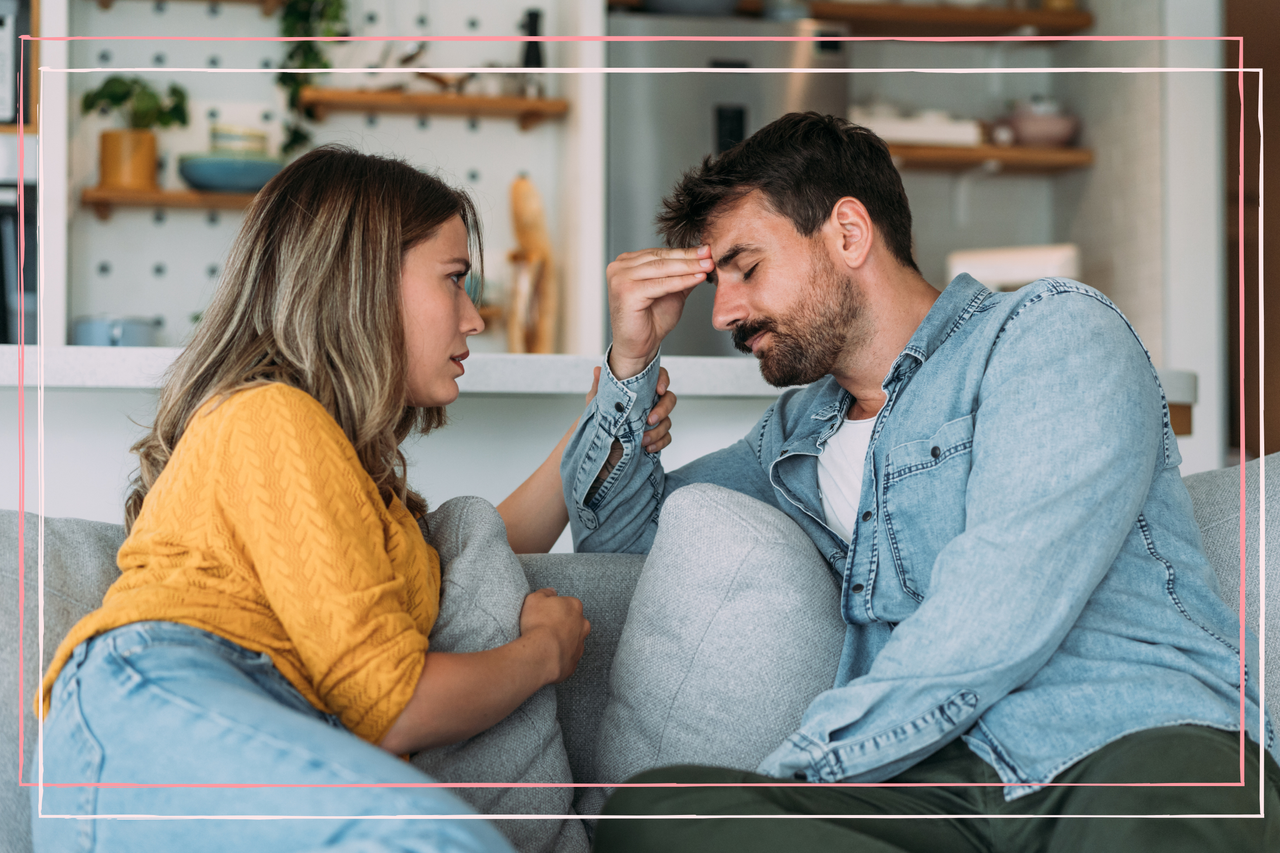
<point>311,297</point>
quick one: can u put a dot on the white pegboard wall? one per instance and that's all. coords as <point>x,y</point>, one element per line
<point>165,262</point>
<point>411,19</point>
<point>146,263</point>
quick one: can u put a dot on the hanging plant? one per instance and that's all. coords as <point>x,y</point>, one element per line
<point>306,18</point>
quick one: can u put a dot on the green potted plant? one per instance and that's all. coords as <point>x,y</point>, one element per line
<point>127,158</point>
<point>305,20</point>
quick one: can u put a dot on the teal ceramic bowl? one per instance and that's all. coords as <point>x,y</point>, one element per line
<point>228,171</point>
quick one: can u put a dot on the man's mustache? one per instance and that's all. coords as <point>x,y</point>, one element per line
<point>747,331</point>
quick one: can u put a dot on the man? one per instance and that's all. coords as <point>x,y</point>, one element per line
<point>995,481</point>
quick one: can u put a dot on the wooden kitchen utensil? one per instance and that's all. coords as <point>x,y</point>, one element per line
<point>533,306</point>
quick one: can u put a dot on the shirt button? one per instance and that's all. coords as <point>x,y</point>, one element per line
<point>618,407</point>
<point>935,452</point>
<point>857,587</point>
<point>866,516</point>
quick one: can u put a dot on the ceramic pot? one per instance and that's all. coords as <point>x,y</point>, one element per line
<point>1045,131</point>
<point>127,160</point>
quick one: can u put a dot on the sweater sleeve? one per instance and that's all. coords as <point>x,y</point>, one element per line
<point>317,534</point>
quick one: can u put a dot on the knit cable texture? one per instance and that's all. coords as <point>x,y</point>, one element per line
<point>264,528</point>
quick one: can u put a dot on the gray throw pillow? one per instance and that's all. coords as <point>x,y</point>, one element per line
<point>483,588</point>
<point>734,629</point>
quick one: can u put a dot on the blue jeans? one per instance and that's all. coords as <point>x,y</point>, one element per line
<point>164,704</point>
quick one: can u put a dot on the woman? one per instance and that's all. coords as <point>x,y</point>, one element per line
<point>276,591</point>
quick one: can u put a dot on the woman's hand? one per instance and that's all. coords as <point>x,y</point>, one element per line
<point>459,695</point>
<point>559,620</point>
<point>658,434</point>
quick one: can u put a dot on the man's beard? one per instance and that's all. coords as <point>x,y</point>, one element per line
<point>804,346</point>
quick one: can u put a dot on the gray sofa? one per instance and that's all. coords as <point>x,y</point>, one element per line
<point>79,565</point>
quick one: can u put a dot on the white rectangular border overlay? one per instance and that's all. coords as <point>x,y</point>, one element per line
<point>40,387</point>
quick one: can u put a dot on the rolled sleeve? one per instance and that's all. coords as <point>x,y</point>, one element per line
<point>615,518</point>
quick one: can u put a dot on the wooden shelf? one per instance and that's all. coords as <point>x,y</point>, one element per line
<point>103,200</point>
<point>527,111</point>
<point>896,19</point>
<point>268,6</point>
<point>1014,158</point>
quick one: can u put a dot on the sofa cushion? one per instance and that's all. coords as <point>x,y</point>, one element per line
<point>604,583</point>
<point>1215,496</point>
<point>79,565</point>
<point>482,590</point>
<point>684,687</point>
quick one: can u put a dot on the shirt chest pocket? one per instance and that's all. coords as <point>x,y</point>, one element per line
<point>924,492</point>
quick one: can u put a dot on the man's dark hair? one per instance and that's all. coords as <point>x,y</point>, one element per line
<point>803,163</point>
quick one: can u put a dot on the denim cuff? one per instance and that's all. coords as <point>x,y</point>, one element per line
<point>618,412</point>
<point>623,405</point>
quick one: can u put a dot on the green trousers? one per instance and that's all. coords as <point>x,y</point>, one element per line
<point>952,802</point>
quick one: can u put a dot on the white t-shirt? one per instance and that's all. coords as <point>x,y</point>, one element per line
<point>840,474</point>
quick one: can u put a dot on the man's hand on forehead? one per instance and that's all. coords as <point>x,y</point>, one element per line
<point>665,269</point>
<point>647,290</point>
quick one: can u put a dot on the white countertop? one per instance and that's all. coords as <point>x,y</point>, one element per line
<point>487,373</point>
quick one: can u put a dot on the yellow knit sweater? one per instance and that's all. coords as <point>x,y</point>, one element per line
<point>265,529</point>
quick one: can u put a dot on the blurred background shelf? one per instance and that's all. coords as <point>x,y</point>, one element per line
<point>487,373</point>
<point>103,200</point>
<point>268,6</point>
<point>528,112</point>
<point>1012,158</point>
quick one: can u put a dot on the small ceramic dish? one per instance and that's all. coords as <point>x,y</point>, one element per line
<point>227,171</point>
<point>1049,131</point>
<point>226,137</point>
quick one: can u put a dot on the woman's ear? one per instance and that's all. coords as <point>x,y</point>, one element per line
<point>850,231</point>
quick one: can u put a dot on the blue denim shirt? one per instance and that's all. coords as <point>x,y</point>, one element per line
<point>1026,573</point>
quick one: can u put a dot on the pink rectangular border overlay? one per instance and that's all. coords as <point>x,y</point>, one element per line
<point>1240,69</point>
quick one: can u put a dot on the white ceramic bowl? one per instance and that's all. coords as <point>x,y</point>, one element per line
<point>1044,131</point>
